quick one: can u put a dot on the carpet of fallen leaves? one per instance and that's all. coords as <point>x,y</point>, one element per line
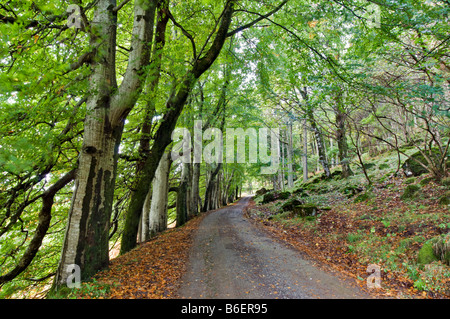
<point>326,240</point>
<point>152,270</point>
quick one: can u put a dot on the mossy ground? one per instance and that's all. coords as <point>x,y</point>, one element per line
<point>383,228</point>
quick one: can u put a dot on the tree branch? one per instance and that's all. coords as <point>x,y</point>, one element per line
<point>138,60</point>
<point>202,64</point>
<point>42,227</point>
<point>183,30</point>
<point>261,17</point>
<point>120,6</point>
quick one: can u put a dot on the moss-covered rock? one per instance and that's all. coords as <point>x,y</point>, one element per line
<point>269,197</point>
<point>426,254</point>
<point>290,204</point>
<point>363,197</point>
<point>437,248</point>
<point>412,166</point>
<point>426,181</point>
<point>284,195</point>
<point>305,210</point>
<point>410,180</point>
<point>311,181</point>
<point>337,174</point>
<point>322,189</point>
<point>298,191</point>
<point>441,248</point>
<point>445,199</point>
<point>446,181</point>
<point>410,192</point>
<point>261,191</point>
<point>304,195</point>
<point>352,190</point>
<point>274,195</point>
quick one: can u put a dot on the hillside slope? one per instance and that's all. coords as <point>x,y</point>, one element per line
<point>355,226</point>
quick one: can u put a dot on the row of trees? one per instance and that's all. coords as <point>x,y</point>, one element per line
<point>90,98</point>
<point>359,87</point>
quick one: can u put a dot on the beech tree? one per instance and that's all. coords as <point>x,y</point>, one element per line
<point>182,88</point>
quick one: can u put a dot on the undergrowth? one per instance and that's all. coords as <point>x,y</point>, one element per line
<point>382,228</point>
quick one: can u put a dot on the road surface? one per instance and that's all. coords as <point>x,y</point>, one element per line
<point>233,259</point>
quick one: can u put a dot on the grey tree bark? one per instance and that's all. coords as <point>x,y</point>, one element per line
<point>317,133</point>
<point>341,138</point>
<point>87,231</point>
<point>158,210</point>
<point>144,233</point>
<point>174,105</point>
<point>289,151</point>
<point>195,199</point>
<point>305,151</point>
<point>184,195</point>
<point>209,203</point>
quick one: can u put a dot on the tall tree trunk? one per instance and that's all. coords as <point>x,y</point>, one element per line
<point>211,188</point>
<point>289,152</point>
<point>183,195</point>
<point>280,177</point>
<point>86,239</point>
<point>195,189</point>
<point>144,231</point>
<point>283,157</point>
<point>226,197</point>
<point>175,106</point>
<point>218,190</point>
<point>274,179</point>
<point>153,82</point>
<point>317,134</point>
<point>341,139</point>
<point>359,154</point>
<point>162,139</point>
<point>305,151</point>
<point>158,209</point>
<point>87,231</point>
<point>209,194</point>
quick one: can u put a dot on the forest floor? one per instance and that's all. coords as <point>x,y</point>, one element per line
<point>346,237</point>
<point>218,254</point>
<point>383,230</point>
<point>150,271</point>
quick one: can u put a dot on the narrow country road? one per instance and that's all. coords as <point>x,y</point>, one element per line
<point>231,258</point>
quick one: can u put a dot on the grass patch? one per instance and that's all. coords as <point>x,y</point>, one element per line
<point>92,289</point>
<point>288,220</point>
<point>353,238</point>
